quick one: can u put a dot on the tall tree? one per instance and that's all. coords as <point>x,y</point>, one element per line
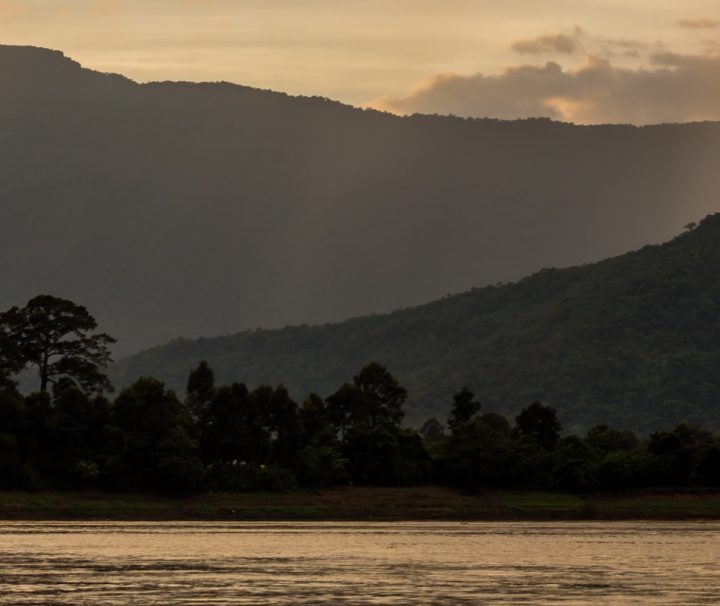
<point>463,409</point>
<point>200,391</point>
<point>340,407</point>
<point>237,427</point>
<point>368,413</point>
<point>373,399</point>
<point>57,337</point>
<point>540,424</point>
<point>382,397</point>
<point>284,424</point>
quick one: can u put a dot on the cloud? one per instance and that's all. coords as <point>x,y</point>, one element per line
<point>623,47</point>
<point>566,44</point>
<point>703,23</point>
<point>675,88</point>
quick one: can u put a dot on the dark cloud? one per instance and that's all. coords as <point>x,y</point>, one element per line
<point>676,88</point>
<point>703,23</point>
<point>566,44</point>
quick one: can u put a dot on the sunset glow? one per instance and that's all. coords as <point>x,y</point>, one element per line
<point>378,53</point>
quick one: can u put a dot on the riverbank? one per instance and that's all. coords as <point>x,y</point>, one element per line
<point>363,503</point>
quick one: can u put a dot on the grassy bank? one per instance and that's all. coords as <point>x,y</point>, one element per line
<point>361,503</point>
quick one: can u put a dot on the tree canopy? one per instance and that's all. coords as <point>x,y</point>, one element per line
<point>232,437</point>
<point>630,341</point>
<point>57,338</point>
<point>243,439</point>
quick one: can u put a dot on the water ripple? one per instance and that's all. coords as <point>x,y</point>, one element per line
<point>352,563</point>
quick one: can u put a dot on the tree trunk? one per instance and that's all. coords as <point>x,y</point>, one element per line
<point>44,372</point>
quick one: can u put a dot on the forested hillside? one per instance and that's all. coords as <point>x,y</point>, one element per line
<point>178,209</point>
<point>632,341</point>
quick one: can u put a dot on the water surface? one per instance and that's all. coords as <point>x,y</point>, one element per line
<point>359,563</point>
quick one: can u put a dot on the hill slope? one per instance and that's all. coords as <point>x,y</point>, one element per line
<point>633,341</point>
<point>198,209</point>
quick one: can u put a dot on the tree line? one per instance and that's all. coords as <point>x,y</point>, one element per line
<point>71,434</point>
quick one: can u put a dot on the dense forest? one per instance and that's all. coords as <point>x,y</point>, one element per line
<point>69,435</point>
<point>180,209</point>
<point>632,341</point>
<point>230,438</point>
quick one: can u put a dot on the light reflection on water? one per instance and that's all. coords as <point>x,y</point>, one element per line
<point>359,563</point>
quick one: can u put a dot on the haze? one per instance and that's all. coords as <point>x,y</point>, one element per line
<point>638,61</point>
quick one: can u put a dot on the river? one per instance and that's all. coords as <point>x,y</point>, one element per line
<point>170,563</point>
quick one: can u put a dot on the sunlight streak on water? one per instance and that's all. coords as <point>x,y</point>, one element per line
<point>359,563</point>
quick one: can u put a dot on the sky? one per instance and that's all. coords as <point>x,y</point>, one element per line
<point>585,61</point>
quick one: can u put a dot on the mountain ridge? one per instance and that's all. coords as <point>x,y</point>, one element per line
<point>183,208</point>
<point>630,341</point>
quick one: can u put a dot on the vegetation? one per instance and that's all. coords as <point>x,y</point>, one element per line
<point>361,503</point>
<point>233,439</point>
<point>184,209</point>
<point>54,336</point>
<point>632,341</point>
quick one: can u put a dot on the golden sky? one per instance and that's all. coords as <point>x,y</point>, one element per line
<point>509,58</point>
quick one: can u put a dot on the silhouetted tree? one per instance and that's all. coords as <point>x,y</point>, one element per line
<point>36,437</point>
<point>200,391</point>
<point>463,409</point>
<point>367,413</point>
<point>84,440</point>
<point>381,398</point>
<point>340,406</point>
<point>237,429</point>
<point>284,426</point>
<point>678,453</point>
<point>540,424</point>
<point>320,461</point>
<point>55,336</point>
<point>158,452</point>
<point>261,440</point>
<point>477,452</point>
<point>315,423</point>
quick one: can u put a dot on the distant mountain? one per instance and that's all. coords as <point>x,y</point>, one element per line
<point>632,341</point>
<point>200,209</point>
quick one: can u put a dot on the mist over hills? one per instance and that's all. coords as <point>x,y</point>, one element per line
<point>632,341</point>
<point>179,209</point>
